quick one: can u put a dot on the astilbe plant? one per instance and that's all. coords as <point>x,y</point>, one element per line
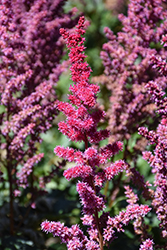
<point>38,22</point>
<point>30,52</point>
<point>132,59</point>
<point>93,166</point>
<point>158,159</point>
<point>127,58</point>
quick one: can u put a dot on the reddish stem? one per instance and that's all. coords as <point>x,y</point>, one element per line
<point>96,212</point>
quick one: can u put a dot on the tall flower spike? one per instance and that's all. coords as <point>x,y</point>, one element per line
<point>81,122</point>
<point>83,116</point>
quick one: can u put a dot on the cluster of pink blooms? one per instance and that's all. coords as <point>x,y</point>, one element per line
<point>127,59</point>
<point>147,245</point>
<point>159,62</point>
<point>31,48</point>
<point>92,165</point>
<point>158,159</point>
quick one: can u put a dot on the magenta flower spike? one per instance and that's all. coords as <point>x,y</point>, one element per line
<point>92,166</point>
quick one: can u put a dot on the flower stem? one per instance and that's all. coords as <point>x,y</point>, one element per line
<point>96,212</point>
<point>99,230</point>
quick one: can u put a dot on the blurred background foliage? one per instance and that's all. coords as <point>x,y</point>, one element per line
<point>61,202</point>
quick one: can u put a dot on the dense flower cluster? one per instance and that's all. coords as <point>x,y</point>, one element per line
<point>73,237</point>
<point>135,73</point>
<point>132,212</point>
<point>158,159</point>
<point>39,22</point>
<point>126,58</point>
<point>80,124</point>
<point>30,52</point>
<point>147,245</point>
<point>93,166</point>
